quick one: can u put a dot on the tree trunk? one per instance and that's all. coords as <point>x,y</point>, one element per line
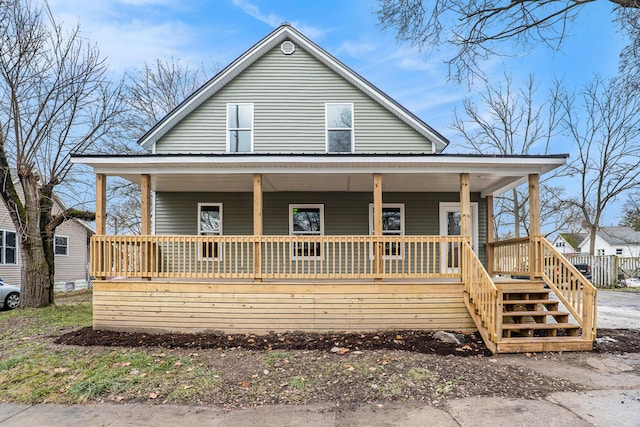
<point>592,243</point>
<point>38,271</point>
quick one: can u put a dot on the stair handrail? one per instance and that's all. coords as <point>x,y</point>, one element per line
<point>483,294</point>
<point>577,293</point>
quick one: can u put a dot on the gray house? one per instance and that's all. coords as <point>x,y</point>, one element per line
<point>289,193</point>
<point>71,248</point>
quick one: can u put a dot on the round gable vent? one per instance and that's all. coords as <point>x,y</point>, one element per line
<point>288,47</point>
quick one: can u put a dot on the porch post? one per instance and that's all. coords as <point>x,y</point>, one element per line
<point>97,253</point>
<point>465,206</point>
<point>490,235</point>
<point>101,203</point>
<point>377,222</point>
<point>534,224</point>
<point>465,222</point>
<point>257,227</point>
<point>145,226</point>
<point>145,205</point>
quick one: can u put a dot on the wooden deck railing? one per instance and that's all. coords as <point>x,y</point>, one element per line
<point>511,257</point>
<point>280,257</point>
<point>483,295</point>
<point>577,294</point>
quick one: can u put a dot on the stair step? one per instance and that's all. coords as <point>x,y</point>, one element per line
<point>525,295</point>
<point>535,313</point>
<point>523,326</point>
<point>530,302</point>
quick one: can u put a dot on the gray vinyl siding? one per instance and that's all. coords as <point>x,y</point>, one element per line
<point>344,213</point>
<point>289,93</point>
<point>10,273</point>
<point>73,267</point>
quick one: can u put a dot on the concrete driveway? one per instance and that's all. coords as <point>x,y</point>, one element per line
<point>618,309</point>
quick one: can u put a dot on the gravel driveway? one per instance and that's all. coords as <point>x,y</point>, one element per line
<point>618,309</point>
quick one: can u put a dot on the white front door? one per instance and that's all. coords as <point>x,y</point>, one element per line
<point>450,226</point>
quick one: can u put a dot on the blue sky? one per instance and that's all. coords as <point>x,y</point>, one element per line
<point>130,32</point>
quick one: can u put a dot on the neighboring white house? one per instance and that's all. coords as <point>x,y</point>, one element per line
<point>569,243</point>
<point>620,241</point>
<point>71,249</point>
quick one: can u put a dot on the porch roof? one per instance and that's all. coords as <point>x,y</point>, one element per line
<point>489,174</point>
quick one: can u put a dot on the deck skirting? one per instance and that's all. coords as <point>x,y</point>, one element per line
<point>260,308</point>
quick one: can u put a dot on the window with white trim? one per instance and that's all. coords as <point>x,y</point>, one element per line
<point>339,122</point>
<point>619,251</point>
<point>209,224</point>
<point>8,247</point>
<point>392,225</point>
<point>239,128</point>
<point>600,252</point>
<point>306,220</point>
<point>61,245</point>
<point>560,244</point>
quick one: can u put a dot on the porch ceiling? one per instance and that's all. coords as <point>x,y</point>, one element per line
<point>401,173</point>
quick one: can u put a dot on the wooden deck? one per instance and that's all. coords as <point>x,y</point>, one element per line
<point>261,284</point>
<point>248,307</point>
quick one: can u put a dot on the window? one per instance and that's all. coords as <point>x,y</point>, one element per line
<point>560,244</point>
<point>306,220</point>
<point>339,119</point>
<point>240,128</point>
<point>392,225</point>
<point>619,251</point>
<point>209,224</point>
<point>61,245</point>
<point>8,252</point>
<point>600,252</point>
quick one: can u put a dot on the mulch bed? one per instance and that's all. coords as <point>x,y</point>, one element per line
<point>617,341</point>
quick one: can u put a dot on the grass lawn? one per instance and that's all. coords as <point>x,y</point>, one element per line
<point>33,369</point>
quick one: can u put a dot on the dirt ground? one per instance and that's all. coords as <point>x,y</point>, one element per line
<point>618,341</point>
<point>350,369</point>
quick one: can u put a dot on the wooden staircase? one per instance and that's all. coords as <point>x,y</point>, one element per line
<point>532,321</point>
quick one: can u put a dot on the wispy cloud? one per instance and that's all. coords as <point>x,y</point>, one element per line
<point>127,39</point>
<point>355,49</point>
<point>274,20</point>
<point>251,9</point>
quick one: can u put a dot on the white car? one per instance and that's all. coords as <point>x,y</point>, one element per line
<point>9,296</point>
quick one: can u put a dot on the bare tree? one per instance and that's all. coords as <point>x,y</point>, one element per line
<point>150,94</point>
<point>55,99</point>
<point>508,120</point>
<point>631,212</point>
<point>477,29</point>
<point>606,135</point>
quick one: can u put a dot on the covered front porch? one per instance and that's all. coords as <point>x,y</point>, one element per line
<point>259,282</point>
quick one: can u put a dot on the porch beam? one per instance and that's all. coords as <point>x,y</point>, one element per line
<point>534,225</point>
<point>101,204</point>
<point>490,234</point>
<point>465,206</point>
<point>377,222</point>
<point>257,227</point>
<point>145,205</point>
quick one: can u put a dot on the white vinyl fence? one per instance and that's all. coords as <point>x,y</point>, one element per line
<point>607,270</point>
